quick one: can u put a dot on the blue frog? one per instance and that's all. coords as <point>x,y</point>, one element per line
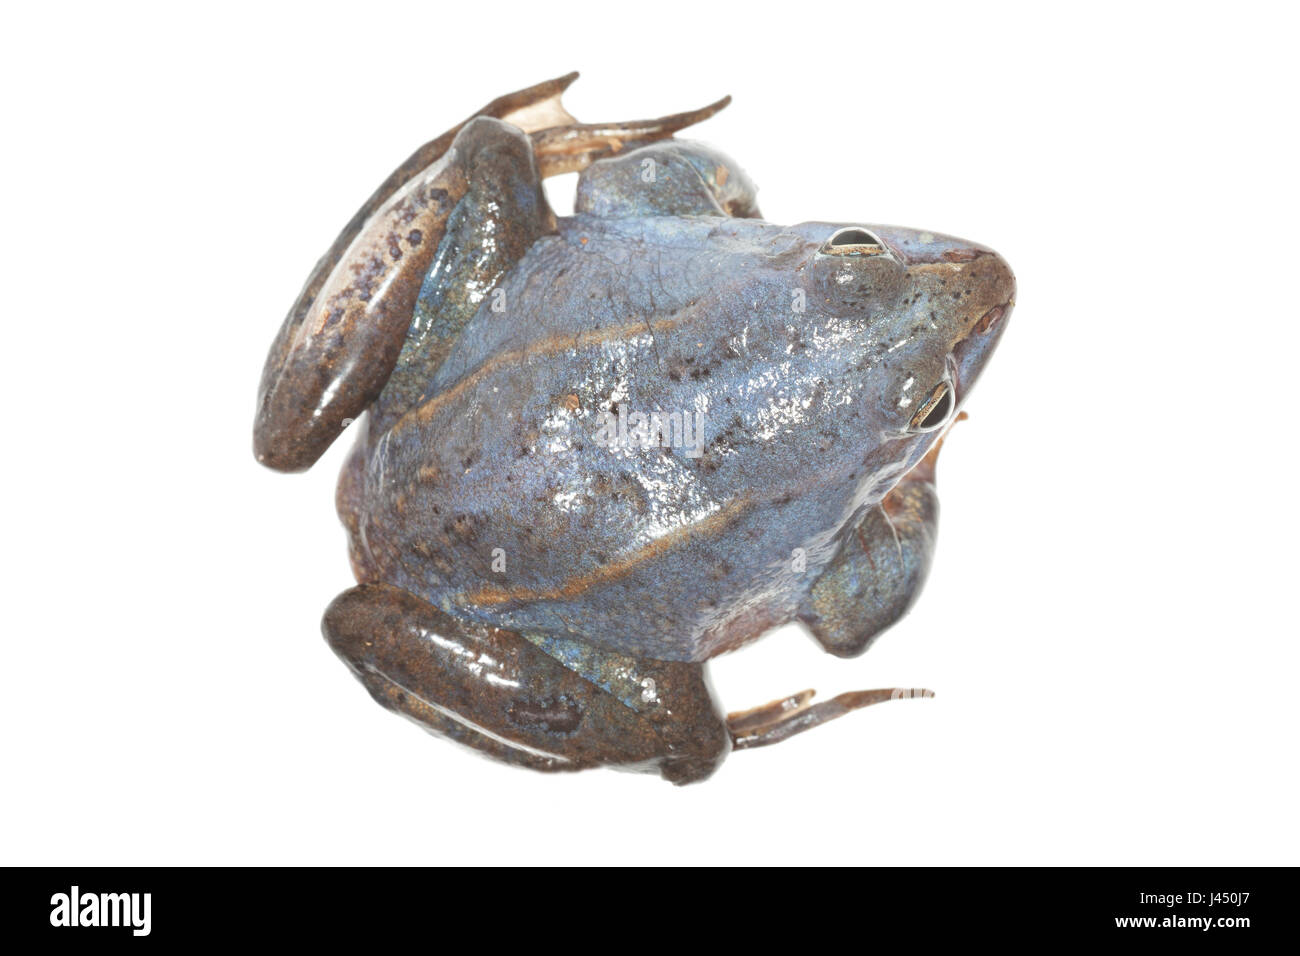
<point>599,450</point>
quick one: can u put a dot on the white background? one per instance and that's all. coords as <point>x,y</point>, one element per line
<point>1110,624</point>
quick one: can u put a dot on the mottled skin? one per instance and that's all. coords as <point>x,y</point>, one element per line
<point>543,596</point>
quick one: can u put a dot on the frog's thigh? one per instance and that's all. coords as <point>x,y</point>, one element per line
<point>491,689</point>
<point>327,368</point>
<point>879,571</point>
<point>670,178</point>
<point>501,213</point>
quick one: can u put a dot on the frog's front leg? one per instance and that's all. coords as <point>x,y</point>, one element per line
<point>498,692</point>
<point>881,567</point>
<point>668,178</point>
<point>869,585</point>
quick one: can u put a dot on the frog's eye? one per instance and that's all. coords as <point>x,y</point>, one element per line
<point>854,241</point>
<point>934,411</point>
<point>856,273</point>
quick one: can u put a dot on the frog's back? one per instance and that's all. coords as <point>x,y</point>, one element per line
<point>597,277</point>
<point>498,495</point>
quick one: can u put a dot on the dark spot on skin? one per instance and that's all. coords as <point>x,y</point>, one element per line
<point>415,237</point>
<point>367,274</point>
<point>622,490</point>
<point>725,443</point>
<point>551,715</point>
<point>463,526</point>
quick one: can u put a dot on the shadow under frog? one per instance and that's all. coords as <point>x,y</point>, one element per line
<point>551,598</point>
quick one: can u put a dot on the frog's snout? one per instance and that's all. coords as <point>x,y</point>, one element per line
<point>990,286</point>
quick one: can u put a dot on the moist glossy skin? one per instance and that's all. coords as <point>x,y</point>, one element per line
<point>653,552</point>
<point>491,518</point>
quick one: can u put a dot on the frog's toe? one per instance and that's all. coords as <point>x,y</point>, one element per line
<point>574,147</point>
<point>784,718</point>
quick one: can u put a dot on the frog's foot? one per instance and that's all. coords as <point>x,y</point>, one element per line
<point>497,692</point>
<point>636,168</point>
<point>574,147</point>
<point>781,719</point>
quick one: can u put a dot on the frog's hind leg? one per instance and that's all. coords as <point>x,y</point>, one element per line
<point>341,338</point>
<point>500,213</point>
<point>533,108</point>
<point>341,356</point>
<point>499,693</point>
<point>781,719</point>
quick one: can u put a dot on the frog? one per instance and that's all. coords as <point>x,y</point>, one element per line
<point>595,451</point>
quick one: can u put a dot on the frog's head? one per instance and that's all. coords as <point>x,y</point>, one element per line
<point>926,311</point>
